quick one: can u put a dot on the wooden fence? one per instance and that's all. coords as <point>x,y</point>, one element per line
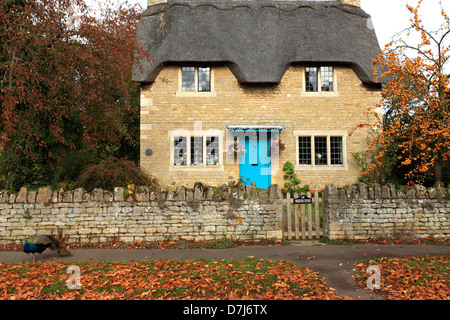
<point>302,221</point>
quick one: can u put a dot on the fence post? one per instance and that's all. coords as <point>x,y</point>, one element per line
<point>297,228</point>
<point>310,233</point>
<point>302,207</point>
<point>289,216</point>
<point>325,219</point>
<point>316,213</point>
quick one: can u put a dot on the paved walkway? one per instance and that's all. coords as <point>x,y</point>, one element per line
<point>334,263</point>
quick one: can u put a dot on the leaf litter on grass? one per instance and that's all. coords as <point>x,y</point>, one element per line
<point>414,278</point>
<point>166,279</point>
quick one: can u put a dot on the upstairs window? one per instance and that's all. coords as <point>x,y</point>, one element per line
<point>319,79</point>
<point>188,78</point>
<point>204,79</point>
<point>311,79</point>
<point>196,79</point>
<point>326,79</point>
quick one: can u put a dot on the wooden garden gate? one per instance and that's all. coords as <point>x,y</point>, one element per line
<point>302,220</point>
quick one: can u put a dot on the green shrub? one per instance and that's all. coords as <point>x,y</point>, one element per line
<point>73,164</point>
<point>27,170</point>
<point>292,184</point>
<point>112,173</point>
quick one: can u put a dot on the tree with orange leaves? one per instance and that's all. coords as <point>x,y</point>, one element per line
<point>415,127</point>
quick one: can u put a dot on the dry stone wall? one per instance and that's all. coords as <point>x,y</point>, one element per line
<point>99,216</point>
<point>204,213</point>
<point>382,212</point>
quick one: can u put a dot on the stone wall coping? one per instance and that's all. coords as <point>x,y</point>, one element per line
<point>140,194</point>
<point>388,191</point>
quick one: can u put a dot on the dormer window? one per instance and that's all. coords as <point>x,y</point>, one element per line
<point>204,79</point>
<point>196,79</point>
<point>319,79</point>
<point>188,76</point>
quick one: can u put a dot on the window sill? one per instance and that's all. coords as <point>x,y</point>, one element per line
<point>197,168</point>
<point>321,168</point>
<point>196,94</point>
<point>326,94</point>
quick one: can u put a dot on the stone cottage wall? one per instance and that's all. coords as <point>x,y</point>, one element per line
<point>193,214</point>
<point>230,103</point>
<point>361,212</point>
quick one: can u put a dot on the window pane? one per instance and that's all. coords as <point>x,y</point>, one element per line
<point>212,151</point>
<point>311,79</point>
<point>188,79</point>
<point>204,79</point>
<point>336,150</point>
<point>304,150</point>
<point>320,146</point>
<point>179,151</point>
<point>196,151</point>
<point>326,78</point>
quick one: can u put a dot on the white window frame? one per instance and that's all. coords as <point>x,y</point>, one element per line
<point>320,93</point>
<point>195,93</point>
<point>188,134</point>
<point>328,135</point>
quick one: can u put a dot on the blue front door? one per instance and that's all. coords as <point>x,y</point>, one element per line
<point>255,165</point>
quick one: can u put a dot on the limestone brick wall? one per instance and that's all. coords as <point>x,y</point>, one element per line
<point>361,212</point>
<point>165,109</point>
<point>97,217</point>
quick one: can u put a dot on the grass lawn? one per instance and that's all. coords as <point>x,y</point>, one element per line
<point>165,279</point>
<point>416,278</point>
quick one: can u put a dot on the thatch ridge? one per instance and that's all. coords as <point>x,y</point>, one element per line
<point>287,6</point>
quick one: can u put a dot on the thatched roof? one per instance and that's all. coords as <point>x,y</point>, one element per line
<point>257,39</point>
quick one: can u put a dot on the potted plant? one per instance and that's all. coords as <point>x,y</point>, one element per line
<point>276,146</point>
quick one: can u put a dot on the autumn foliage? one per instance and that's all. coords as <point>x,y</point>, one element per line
<point>65,81</point>
<point>165,279</point>
<point>414,132</point>
<point>415,278</point>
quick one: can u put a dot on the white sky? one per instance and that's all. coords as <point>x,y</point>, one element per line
<point>391,16</point>
<point>388,16</point>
